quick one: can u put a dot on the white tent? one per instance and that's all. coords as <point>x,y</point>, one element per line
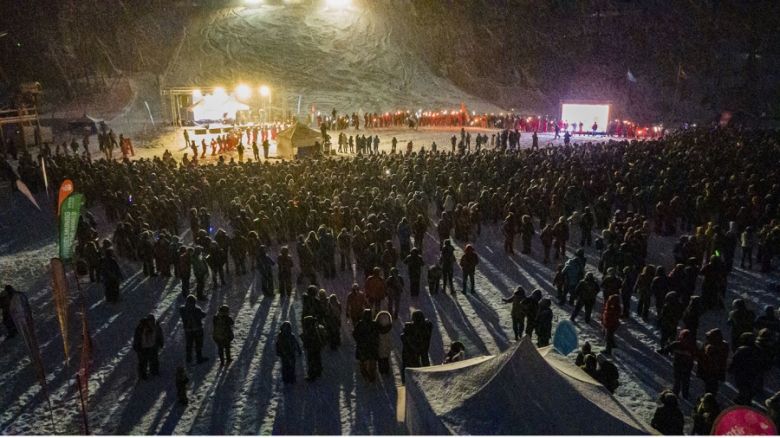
<point>520,391</point>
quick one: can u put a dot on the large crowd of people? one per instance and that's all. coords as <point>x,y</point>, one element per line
<point>295,223</point>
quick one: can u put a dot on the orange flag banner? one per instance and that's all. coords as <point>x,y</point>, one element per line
<point>65,189</point>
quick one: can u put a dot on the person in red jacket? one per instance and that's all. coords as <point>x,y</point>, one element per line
<point>375,289</point>
<point>610,320</point>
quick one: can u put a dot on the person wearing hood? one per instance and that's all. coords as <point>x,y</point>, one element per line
<point>312,345</point>
<point>747,369</point>
<point>586,293</point>
<point>713,360</point>
<point>447,258</point>
<point>414,263</point>
<point>284,265</point>
<point>530,309</point>
<point>148,340</point>
<point>518,311</point>
<point>668,419</point>
<point>223,334</point>
<point>610,320</point>
<point>543,325</point>
<point>333,321</point>
<point>366,336</point>
<point>684,352</point>
<point>585,350</point>
<point>287,348</point>
<point>704,414</point>
<point>384,325</point>
<point>201,270</point>
<point>741,319</point>
<point>192,320</point>
<point>457,353</point>
<point>356,303</point>
<point>416,340</point>
<point>692,315</point>
<point>395,289</point>
<point>376,289</point>
<point>111,275</point>
<point>468,263</point>
<point>265,265</point>
<point>670,316</point>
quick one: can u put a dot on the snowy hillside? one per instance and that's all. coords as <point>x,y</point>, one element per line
<point>349,58</point>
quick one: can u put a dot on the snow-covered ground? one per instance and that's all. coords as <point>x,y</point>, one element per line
<point>248,396</point>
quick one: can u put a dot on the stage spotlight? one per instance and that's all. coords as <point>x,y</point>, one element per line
<point>338,4</point>
<point>265,91</point>
<point>243,92</point>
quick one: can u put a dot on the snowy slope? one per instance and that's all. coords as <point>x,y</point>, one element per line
<point>349,58</point>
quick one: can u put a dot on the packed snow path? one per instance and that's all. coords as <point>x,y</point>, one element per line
<point>248,397</point>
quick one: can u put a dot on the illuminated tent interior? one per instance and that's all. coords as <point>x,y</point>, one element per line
<point>297,140</point>
<point>587,114</point>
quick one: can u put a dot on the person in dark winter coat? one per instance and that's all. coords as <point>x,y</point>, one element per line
<point>285,264</point>
<point>668,419</point>
<point>684,352</point>
<point>692,315</point>
<point>376,290</point>
<point>192,320</point>
<point>747,369</point>
<point>384,325</point>
<point>530,309</point>
<point>181,386</point>
<point>607,373</point>
<point>333,321</point>
<point>659,287</point>
<point>447,259</point>
<point>517,312</point>
<point>543,325</point>
<point>670,316</point>
<point>184,270</point>
<point>111,275</point>
<point>312,345</point>
<point>704,414</point>
<point>394,287</point>
<point>585,350</point>
<point>627,289</point>
<point>713,360</point>
<point>741,320</point>
<point>265,265</point>
<point>610,320</point>
<point>148,340</point>
<point>415,264</point>
<point>287,348</point>
<point>434,278</point>
<point>586,293</point>
<point>223,334</point>
<point>201,270</point>
<point>468,263</point>
<point>366,336</point>
<point>457,352</point>
<point>526,233</point>
<point>416,340</point>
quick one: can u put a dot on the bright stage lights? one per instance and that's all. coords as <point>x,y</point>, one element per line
<point>219,90</point>
<point>265,91</point>
<point>338,4</point>
<point>243,92</point>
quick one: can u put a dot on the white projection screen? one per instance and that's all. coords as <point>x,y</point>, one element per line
<point>587,114</point>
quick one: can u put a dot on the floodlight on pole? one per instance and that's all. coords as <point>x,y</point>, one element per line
<point>265,91</point>
<point>243,92</point>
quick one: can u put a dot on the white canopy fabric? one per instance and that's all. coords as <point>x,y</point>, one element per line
<point>520,391</point>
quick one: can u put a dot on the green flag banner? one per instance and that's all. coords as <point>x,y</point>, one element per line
<point>69,220</point>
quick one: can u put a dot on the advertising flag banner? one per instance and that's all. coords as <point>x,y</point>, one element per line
<point>60,291</point>
<point>66,188</point>
<point>22,317</point>
<point>69,220</point>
